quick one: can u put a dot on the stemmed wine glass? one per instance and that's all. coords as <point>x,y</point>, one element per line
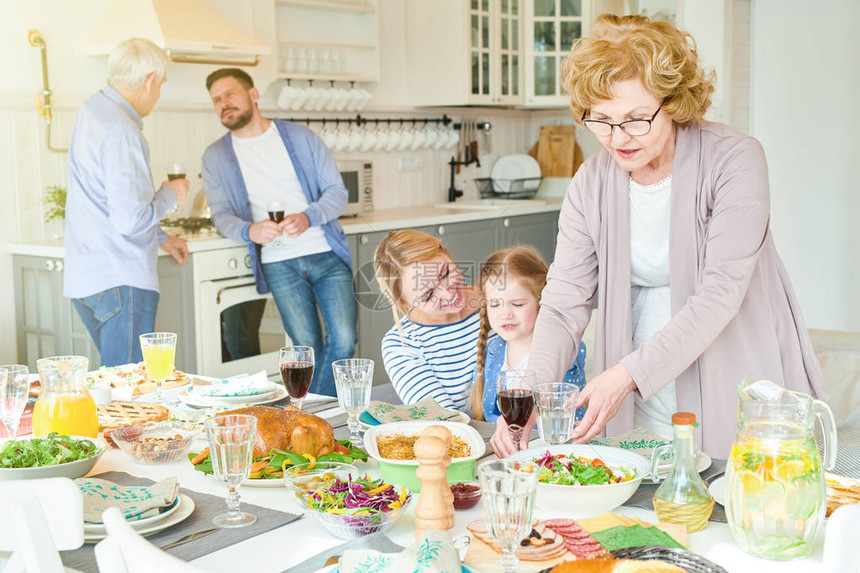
<point>515,400</point>
<point>175,171</point>
<point>353,378</point>
<point>297,371</point>
<point>14,389</point>
<point>276,215</point>
<point>231,443</point>
<point>556,410</point>
<point>159,354</point>
<point>509,492</point>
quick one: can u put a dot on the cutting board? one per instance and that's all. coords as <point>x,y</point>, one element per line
<point>557,151</point>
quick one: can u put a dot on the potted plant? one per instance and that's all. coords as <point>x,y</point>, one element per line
<point>55,201</point>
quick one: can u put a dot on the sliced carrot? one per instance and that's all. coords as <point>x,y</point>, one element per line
<point>258,466</point>
<point>200,457</point>
<point>340,448</point>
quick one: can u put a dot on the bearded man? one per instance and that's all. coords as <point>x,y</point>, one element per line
<point>304,258</point>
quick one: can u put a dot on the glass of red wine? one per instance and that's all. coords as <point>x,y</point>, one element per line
<point>276,215</point>
<point>516,401</point>
<point>297,371</point>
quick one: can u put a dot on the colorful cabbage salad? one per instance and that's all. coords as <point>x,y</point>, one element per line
<point>363,501</point>
<point>560,469</point>
<point>51,450</point>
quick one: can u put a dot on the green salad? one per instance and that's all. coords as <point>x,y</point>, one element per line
<point>52,450</point>
<point>561,469</point>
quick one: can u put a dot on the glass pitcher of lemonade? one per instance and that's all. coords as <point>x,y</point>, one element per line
<point>776,497</point>
<point>65,405</point>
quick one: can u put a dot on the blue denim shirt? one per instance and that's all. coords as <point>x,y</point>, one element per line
<point>112,209</point>
<point>315,168</point>
<point>493,363</point>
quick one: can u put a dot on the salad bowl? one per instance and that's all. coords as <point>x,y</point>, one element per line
<point>596,495</point>
<point>55,460</point>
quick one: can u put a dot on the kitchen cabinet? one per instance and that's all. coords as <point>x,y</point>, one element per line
<point>464,52</point>
<point>327,40</point>
<point>48,324</point>
<point>470,243</point>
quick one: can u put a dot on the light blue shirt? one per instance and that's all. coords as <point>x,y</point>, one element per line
<point>112,211</point>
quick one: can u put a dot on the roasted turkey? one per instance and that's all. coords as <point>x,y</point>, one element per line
<point>289,429</point>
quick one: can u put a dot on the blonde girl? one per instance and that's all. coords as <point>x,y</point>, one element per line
<point>430,351</point>
<point>511,281</point>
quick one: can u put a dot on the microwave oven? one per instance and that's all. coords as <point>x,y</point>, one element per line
<point>357,177</point>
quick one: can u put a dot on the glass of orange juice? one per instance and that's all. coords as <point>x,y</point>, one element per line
<point>159,353</point>
<point>65,405</point>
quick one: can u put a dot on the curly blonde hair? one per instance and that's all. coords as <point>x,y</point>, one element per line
<point>624,47</point>
<point>397,250</point>
<point>522,262</point>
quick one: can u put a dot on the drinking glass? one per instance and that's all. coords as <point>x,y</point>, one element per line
<point>508,491</point>
<point>556,410</point>
<point>175,171</point>
<point>297,371</point>
<point>14,389</point>
<point>231,442</point>
<point>276,211</point>
<point>515,400</point>
<point>353,378</point>
<point>159,354</point>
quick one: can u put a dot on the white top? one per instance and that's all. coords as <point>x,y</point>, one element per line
<point>269,176</point>
<point>650,294</point>
<point>434,361</point>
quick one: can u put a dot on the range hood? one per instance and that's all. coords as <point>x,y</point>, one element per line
<point>188,30</point>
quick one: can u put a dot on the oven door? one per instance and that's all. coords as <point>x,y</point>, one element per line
<point>240,330</point>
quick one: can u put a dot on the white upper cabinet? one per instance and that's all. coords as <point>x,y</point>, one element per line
<point>464,52</point>
<point>327,40</point>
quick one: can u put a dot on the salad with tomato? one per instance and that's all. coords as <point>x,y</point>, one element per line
<point>560,469</point>
<point>273,465</point>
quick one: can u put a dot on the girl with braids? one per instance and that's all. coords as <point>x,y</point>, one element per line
<point>512,281</point>
<point>430,350</point>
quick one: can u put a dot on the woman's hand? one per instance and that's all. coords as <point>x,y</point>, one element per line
<point>604,394</point>
<point>503,444</point>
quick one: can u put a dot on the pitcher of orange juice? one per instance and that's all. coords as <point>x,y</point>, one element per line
<point>775,494</point>
<point>65,405</point>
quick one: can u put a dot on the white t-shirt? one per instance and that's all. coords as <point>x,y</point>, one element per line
<point>270,176</point>
<point>650,294</point>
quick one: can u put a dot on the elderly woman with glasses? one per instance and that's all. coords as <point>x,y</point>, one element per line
<point>667,230</point>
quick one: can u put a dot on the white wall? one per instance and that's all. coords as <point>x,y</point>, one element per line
<point>805,84</point>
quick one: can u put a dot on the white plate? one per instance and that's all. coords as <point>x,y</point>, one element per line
<point>99,528</point>
<point>277,482</point>
<point>71,470</point>
<point>703,462</point>
<point>184,508</point>
<point>718,490</point>
<point>207,401</point>
<point>463,418</point>
<point>518,166</point>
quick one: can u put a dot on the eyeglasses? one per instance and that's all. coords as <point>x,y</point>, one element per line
<point>634,127</point>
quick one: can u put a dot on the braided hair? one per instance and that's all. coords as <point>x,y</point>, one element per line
<point>522,262</point>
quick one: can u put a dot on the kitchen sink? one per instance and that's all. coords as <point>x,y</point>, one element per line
<point>478,204</point>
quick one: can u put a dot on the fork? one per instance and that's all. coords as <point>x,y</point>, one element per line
<point>189,537</point>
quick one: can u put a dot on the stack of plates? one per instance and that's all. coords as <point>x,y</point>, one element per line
<point>169,516</point>
<point>510,168</point>
<point>188,396</point>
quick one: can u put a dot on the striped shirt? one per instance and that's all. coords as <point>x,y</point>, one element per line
<point>433,361</point>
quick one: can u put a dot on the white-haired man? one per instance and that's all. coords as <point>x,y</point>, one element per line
<point>112,211</point>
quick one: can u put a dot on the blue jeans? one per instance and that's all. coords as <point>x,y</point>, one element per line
<point>115,319</point>
<point>304,288</point>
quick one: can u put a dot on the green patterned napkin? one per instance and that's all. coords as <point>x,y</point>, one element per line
<point>432,553</point>
<point>426,409</point>
<point>135,502</point>
<point>638,440</point>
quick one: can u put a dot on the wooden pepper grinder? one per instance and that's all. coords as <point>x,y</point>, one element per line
<point>435,508</point>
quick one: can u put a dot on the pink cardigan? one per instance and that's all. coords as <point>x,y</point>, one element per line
<point>734,312</point>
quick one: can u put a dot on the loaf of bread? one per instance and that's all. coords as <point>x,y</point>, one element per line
<point>289,429</point>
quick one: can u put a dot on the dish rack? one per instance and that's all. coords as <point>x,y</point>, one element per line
<point>508,188</point>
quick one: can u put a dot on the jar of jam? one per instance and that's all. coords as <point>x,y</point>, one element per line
<point>466,494</point>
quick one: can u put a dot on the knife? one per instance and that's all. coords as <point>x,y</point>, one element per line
<point>190,537</point>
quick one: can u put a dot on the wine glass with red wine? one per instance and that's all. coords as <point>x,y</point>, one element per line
<point>297,371</point>
<point>515,399</point>
<point>276,215</point>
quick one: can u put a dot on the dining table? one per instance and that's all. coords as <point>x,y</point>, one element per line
<point>281,548</point>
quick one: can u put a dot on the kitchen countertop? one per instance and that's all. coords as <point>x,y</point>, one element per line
<point>378,220</point>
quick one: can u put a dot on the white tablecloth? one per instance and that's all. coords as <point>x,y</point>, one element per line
<point>287,546</point>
